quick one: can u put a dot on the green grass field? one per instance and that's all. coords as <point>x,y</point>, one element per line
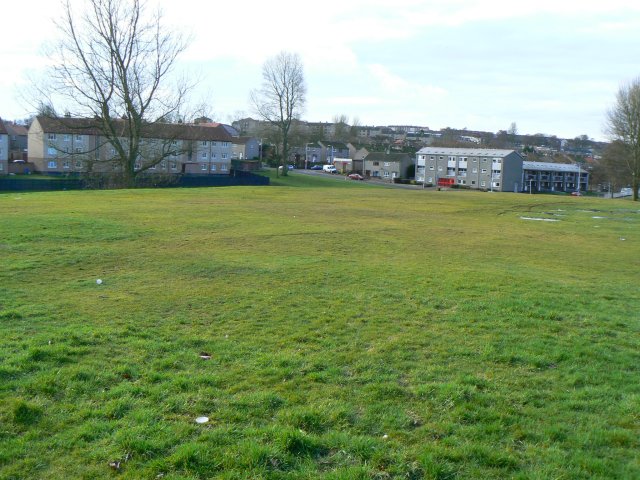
<point>355,333</point>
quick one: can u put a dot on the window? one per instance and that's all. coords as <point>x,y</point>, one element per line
<point>375,164</point>
<point>1,166</point>
<point>204,144</point>
<point>214,144</point>
<point>225,144</point>
<point>203,167</point>
<point>430,180</point>
<point>224,156</point>
<point>174,166</point>
<point>431,167</point>
<point>52,164</point>
<point>475,160</point>
<point>432,158</point>
<point>204,155</point>
<point>152,167</point>
<point>66,137</point>
<point>223,167</point>
<point>461,182</point>
<point>51,136</point>
<point>473,182</point>
<point>213,167</point>
<point>51,150</point>
<point>137,166</point>
<point>474,170</point>
<point>483,184</point>
<point>65,164</point>
<point>484,170</point>
<point>386,164</point>
<point>163,164</point>
<point>214,156</point>
<point>79,138</point>
<point>78,150</point>
<point>439,169</point>
<point>78,164</point>
<point>385,173</point>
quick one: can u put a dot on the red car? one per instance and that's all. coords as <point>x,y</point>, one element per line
<point>356,176</point>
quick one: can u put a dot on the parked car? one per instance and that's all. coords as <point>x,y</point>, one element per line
<point>356,176</point>
<point>291,167</point>
<point>329,169</point>
<point>316,167</point>
<point>576,194</point>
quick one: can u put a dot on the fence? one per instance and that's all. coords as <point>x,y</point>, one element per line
<point>51,183</point>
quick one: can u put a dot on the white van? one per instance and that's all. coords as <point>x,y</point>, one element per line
<point>329,169</point>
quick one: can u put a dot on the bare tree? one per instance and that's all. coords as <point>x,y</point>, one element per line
<point>281,98</point>
<point>623,124</point>
<point>612,169</point>
<point>113,63</point>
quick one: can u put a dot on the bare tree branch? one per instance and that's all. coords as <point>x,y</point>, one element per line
<point>282,96</point>
<point>623,124</point>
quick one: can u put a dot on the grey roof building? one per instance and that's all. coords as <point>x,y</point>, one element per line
<point>480,168</point>
<point>553,177</point>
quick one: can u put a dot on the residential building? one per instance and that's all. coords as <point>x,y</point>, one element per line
<point>65,145</point>
<point>4,149</point>
<point>485,169</point>
<point>358,160</point>
<point>332,150</point>
<point>387,166</point>
<point>245,148</point>
<point>553,177</point>
<point>17,141</point>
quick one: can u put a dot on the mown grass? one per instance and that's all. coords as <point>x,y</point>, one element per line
<point>355,333</point>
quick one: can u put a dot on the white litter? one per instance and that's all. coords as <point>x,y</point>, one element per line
<point>99,281</point>
<point>202,419</point>
<point>541,219</point>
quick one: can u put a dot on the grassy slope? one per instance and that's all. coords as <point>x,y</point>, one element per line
<point>482,345</point>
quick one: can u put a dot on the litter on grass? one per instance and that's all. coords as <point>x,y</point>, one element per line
<point>205,356</point>
<point>202,419</point>
<point>541,219</point>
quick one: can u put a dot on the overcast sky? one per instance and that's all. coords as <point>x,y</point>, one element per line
<point>551,66</point>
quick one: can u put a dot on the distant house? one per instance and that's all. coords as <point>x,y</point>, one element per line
<point>17,141</point>
<point>387,166</point>
<point>358,160</point>
<point>332,150</point>
<point>481,168</point>
<point>553,177</point>
<point>4,149</point>
<point>245,148</point>
<point>65,145</point>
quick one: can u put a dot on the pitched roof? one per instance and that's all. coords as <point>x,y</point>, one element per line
<point>553,167</point>
<point>3,130</point>
<point>14,129</point>
<point>388,157</point>
<point>471,152</point>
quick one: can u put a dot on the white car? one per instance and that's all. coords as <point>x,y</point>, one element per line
<point>329,169</point>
